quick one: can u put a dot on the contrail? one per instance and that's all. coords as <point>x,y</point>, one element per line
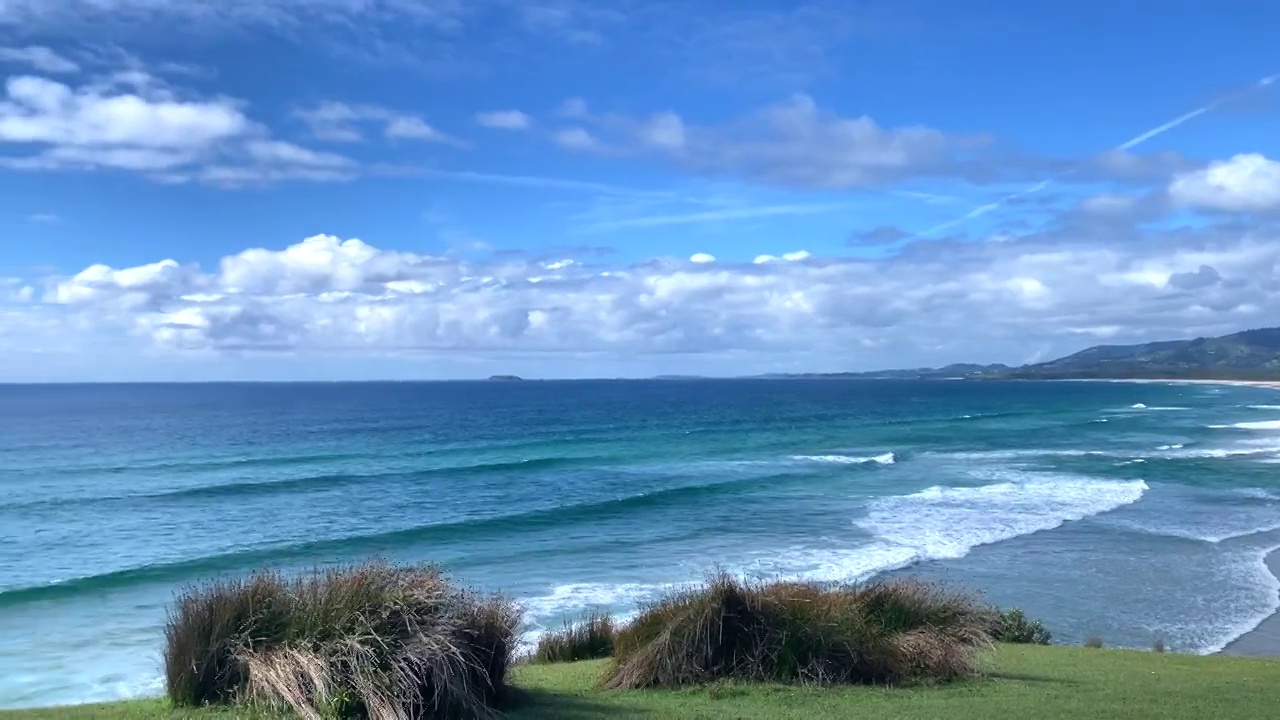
<point>1128,144</point>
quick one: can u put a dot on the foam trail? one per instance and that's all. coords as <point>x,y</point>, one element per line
<point>1126,145</point>
<point>884,459</point>
<point>1260,425</point>
<point>948,522</point>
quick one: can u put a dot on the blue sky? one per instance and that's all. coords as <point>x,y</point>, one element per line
<point>278,189</point>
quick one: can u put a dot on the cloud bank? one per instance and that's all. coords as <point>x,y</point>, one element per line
<point>326,296</point>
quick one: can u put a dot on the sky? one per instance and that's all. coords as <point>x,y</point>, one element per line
<point>438,189</point>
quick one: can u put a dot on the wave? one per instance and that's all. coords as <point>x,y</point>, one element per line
<point>1259,425</point>
<point>386,541</point>
<point>312,482</point>
<point>1177,446</point>
<point>883,459</point>
<point>1024,453</point>
<point>947,522</point>
<point>1264,407</point>
<point>1263,571</point>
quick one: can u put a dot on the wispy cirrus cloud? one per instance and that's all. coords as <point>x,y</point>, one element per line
<point>504,120</point>
<point>714,216</point>
<point>340,122</point>
<point>791,143</point>
<point>39,58</point>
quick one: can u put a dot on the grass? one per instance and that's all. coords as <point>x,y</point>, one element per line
<point>803,633</point>
<point>373,640</point>
<point>1017,682</point>
<point>587,639</point>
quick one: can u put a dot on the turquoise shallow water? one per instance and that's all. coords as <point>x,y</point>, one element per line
<point>1129,511</point>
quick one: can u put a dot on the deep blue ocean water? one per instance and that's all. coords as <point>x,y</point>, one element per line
<point>1127,511</point>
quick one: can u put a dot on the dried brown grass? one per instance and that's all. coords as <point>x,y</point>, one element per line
<point>374,640</point>
<point>800,633</point>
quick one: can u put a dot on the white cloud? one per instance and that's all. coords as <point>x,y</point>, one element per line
<point>747,212</point>
<point>414,128</point>
<point>664,131</point>
<point>39,58</point>
<point>1247,182</point>
<point>340,122</point>
<point>44,218</point>
<point>504,120</point>
<point>576,139</point>
<point>574,107</point>
<point>133,121</point>
<point>38,111</point>
<point>328,297</point>
<point>790,143</point>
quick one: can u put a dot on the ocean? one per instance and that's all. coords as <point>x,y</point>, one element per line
<point>1122,510</point>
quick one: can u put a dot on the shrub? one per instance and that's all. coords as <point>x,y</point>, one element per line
<point>590,638</point>
<point>1093,641</point>
<point>1158,645</point>
<point>374,640</point>
<point>800,633</point>
<point>1014,626</point>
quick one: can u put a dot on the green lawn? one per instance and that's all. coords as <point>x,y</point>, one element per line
<point>1020,682</point>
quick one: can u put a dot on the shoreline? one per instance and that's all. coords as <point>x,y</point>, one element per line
<point>1272,384</point>
<point>1263,640</point>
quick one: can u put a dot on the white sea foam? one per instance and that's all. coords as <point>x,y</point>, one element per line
<point>1025,453</point>
<point>1259,493</point>
<point>1260,425</point>
<point>1264,407</point>
<point>883,459</point>
<point>1268,605</point>
<point>1138,406</point>
<point>573,597</point>
<point>948,522</point>
<point>1170,447</point>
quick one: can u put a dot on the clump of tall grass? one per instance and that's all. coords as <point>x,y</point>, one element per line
<point>1013,626</point>
<point>886,632</point>
<point>373,640</point>
<point>585,639</point>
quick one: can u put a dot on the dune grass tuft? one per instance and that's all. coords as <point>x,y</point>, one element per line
<point>803,633</point>
<point>586,639</point>
<point>1014,627</point>
<point>1094,642</point>
<point>373,640</point>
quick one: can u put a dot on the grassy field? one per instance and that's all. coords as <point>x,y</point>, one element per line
<point>1019,682</point>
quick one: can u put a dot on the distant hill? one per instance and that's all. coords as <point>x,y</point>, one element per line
<point>953,371</point>
<point>1248,355</point>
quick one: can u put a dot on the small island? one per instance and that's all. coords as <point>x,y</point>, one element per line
<point>505,378</point>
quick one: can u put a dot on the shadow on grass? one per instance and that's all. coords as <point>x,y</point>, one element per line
<point>530,704</point>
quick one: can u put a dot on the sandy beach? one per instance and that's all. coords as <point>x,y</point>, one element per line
<point>1263,640</point>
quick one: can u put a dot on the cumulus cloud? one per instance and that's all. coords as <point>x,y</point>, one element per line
<point>340,122</point>
<point>947,302</point>
<point>1249,182</point>
<point>504,120</point>
<point>39,58</point>
<point>134,121</point>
